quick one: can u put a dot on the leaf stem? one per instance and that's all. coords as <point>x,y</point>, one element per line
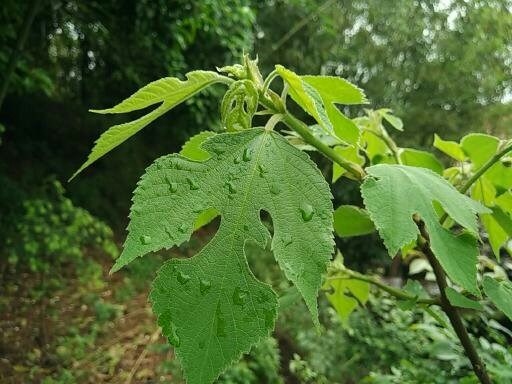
<point>398,293</point>
<point>271,76</point>
<point>451,311</point>
<point>389,143</point>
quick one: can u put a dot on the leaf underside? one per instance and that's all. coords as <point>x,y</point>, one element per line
<point>394,193</point>
<point>211,307</point>
<point>169,91</point>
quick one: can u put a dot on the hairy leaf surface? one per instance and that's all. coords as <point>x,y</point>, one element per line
<point>394,193</point>
<point>169,91</point>
<point>335,90</point>
<point>210,306</point>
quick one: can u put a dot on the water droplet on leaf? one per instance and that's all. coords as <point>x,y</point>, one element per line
<point>193,184</point>
<point>204,286</point>
<point>274,189</point>
<point>183,278</point>
<point>237,159</point>
<point>287,239</point>
<point>239,296</point>
<point>231,187</point>
<point>183,228</point>
<point>306,211</point>
<point>173,187</point>
<point>247,154</point>
<point>173,338</point>
<point>145,239</point>
<point>221,324</point>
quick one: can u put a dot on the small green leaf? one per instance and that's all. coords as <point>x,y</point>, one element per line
<point>395,122</point>
<point>306,96</point>
<point>394,193</point>
<point>335,90</point>
<point>350,220</point>
<point>239,105</point>
<point>479,148</point>
<point>210,306</point>
<point>341,297</point>
<point>193,147</point>
<point>422,159</point>
<point>450,148</point>
<point>169,91</point>
<point>500,294</point>
<point>457,299</point>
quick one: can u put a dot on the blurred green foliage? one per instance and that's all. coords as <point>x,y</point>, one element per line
<point>51,231</point>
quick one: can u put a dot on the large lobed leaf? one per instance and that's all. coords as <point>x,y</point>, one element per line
<point>394,193</point>
<point>169,91</point>
<point>211,307</point>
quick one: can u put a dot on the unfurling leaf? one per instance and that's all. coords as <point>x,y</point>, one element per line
<point>211,307</point>
<point>239,105</point>
<point>394,193</point>
<point>169,91</point>
<point>500,294</point>
<point>350,220</point>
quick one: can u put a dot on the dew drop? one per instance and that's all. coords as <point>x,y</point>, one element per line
<point>173,187</point>
<point>262,170</point>
<point>306,211</point>
<point>237,159</point>
<point>192,183</point>
<point>204,286</point>
<point>183,228</point>
<point>221,324</point>
<point>145,239</point>
<point>231,187</point>
<point>246,228</point>
<point>173,338</point>
<point>287,239</point>
<point>183,278</point>
<point>274,189</point>
<point>247,156</point>
<point>218,150</point>
<point>239,296</point>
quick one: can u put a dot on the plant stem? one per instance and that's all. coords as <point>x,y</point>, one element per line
<point>398,293</point>
<point>452,312</point>
<point>389,143</point>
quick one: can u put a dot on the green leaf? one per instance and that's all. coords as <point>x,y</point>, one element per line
<point>394,193</point>
<point>335,90</point>
<point>350,153</point>
<point>341,297</point>
<point>239,105</point>
<point>169,91</point>
<point>350,220</point>
<point>500,294</point>
<point>422,159</point>
<point>395,121</point>
<point>193,147</point>
<point>306,96</point>
<point>193,150</point>
<point>459,300</point>
<point>497,224</point>
<point>211,306</point>
<point>479,148</point>
<point>450,148</point>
